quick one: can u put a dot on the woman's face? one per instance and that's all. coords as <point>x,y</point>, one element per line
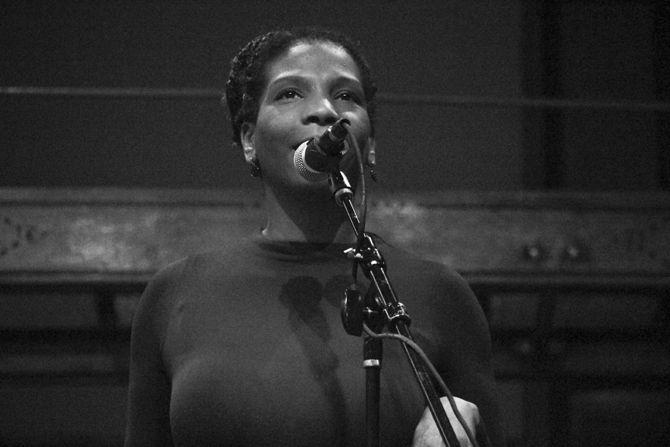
<point>308,88</point>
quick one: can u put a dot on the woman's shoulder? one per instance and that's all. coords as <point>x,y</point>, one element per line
<point>175,281</point>
<point>158,288</point>
<point>402,262</point>
<point>196,265</point>
<point>430,284</point>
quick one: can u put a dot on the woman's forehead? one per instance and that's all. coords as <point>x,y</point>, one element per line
<point>317,56</point>
<point>302,47</point>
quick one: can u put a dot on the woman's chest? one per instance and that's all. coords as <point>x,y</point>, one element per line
<point>274,355</point>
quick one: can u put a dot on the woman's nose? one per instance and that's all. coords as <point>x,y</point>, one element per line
<point>321,111</point>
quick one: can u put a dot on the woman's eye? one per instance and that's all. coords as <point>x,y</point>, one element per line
<point>288,94</point>
<point>347,96</point>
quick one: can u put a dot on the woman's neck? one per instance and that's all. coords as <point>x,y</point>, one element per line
<point>315,218</point>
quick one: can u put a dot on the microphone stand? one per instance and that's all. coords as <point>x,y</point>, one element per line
<point>384,309</point>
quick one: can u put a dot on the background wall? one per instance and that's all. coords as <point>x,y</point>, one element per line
<point>443,51</point>
<point>416,48</point>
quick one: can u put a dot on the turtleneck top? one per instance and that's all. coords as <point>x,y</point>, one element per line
<point>245,347</point>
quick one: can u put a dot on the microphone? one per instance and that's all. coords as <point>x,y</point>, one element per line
<point>316,157</point>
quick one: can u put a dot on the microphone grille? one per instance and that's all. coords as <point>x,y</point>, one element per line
<point>302,168</point>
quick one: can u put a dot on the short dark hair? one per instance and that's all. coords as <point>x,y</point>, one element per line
<point>247,74</point>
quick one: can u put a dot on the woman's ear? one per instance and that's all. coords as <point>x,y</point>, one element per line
<point>247,140</point>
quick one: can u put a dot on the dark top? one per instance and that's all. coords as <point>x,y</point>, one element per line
<point>246,347</point>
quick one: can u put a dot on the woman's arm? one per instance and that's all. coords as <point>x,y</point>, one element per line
<point>148,407</point>
<point>466,360</point>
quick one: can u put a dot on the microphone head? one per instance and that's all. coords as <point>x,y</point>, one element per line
<point>332,140</point>
<point>302,167</point>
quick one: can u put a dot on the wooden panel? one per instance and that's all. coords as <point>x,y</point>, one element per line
<point>137,232</point>
<point>48,310</point>
<point>63,414</point>
<point>509,238</point>
<point>616,417</point>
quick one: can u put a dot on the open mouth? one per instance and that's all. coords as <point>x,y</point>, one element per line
<point>345,145</point>
<point>297,145</point>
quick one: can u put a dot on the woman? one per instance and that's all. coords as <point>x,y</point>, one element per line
<point>245,346</point>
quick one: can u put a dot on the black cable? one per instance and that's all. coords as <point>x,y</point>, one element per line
<point>443,386</point>
<point>363,206</point>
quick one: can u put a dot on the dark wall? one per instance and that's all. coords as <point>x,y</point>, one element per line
<point>416,47</point>
<point>588,51</point>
